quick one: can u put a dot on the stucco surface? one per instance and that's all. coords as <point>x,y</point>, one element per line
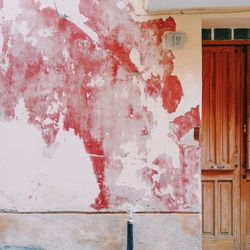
<point>94,113</point>
<point>100,232</point>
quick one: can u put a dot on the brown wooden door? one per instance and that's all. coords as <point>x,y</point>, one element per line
<point>225,185</point>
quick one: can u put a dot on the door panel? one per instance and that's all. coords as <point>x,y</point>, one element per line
<point>218,118</point>
<point>221,174</point>
<point>208,204</point>
<point>245,219</point>
<point>217,207</point>
<point>222,243</point>
<point>220,206</point>
<point>225,207</point>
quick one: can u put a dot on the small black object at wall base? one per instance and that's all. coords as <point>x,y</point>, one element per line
<point>130,236</point>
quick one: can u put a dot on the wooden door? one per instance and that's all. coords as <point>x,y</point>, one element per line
<point>223,148</point>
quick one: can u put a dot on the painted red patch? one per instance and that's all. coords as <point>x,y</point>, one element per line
<point>189,158</point>
<point>167,58</point>
<point>145,131</point>
<point>147,174</point>
<point>1,4</point>
<point>153,86</point>
<point>171,93</point>
<point>132,114</point>
<point>119,50</point>
<point>186,122</point>
<point>160,26</point>
<point>163,161</point>
<point>178,180</point>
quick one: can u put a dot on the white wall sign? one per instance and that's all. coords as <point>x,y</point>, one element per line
<point>174,40</point>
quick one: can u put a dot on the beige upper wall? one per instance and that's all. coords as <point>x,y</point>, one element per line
<point>208,17</point>
<point>231,20</point>
<point>159,5</point>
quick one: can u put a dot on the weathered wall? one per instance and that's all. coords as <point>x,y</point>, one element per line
<point>99,232</point>
<point>94,114</point>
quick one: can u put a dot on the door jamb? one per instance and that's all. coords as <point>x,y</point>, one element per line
<point>225,42</point>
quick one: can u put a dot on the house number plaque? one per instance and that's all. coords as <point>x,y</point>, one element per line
<point>174,40</point>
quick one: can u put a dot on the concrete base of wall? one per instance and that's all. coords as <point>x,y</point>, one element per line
<point>100,231</point>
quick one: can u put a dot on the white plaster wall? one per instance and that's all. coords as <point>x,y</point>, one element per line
<point>60,177</point>
<point>37,177</point>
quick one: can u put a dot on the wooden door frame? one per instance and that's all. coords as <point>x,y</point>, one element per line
<point>245,199</point>
<point>240,120</point>
<point>225,42</point>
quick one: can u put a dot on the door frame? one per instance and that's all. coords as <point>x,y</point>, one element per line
<point>240,121</point>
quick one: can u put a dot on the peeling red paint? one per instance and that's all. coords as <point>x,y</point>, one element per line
<point>186,122</point>
<point>133,114</point>
<point>171,93</point>
<point>163,161</point>
<point>119,51</point>
<point>120,200</point>
<point>159,26</point>
<point>144,131</point>
<point>94,147</point>
<point>147,174</point>
<point>149,115</point>
<point>56,87</point>
<point>153,86</point>
<point>189,158</point>
<point>178,179</point>
<point>167,58</point>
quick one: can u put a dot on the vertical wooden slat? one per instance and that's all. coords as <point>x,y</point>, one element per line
<point>225,113</point>
<point>218,106</point>
<point>211,109</point>
<point>232,82</point>
<point>208,155</point>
